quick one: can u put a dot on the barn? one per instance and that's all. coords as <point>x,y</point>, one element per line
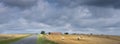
<point>55,33</point>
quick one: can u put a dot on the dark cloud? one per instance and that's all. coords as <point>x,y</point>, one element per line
<point>19,3</point>
<point>59,15</point>
<point>104,3</point>
<point>75,3</point>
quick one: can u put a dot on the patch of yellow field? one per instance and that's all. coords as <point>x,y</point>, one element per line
<point>72,39</point>
<point>11,36</point>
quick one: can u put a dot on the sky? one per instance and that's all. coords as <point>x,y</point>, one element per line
<point>73,16</point>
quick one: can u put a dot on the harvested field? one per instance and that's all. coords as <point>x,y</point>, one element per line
<point>8,38</point>
<point>72,39</point>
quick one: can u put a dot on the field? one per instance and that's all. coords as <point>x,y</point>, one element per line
<point>8,38</point>
<point>85,39</point>
<point>58,39</point>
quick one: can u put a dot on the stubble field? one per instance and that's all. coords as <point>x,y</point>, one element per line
<point>85,39</point>
<point>8,38</point>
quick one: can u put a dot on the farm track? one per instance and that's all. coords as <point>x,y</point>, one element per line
<point>29,40</point>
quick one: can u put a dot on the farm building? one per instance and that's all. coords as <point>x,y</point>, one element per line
<point>55,33</point>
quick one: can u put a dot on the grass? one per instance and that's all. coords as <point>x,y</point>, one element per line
<point>43,40</point>
<point>8,41</point>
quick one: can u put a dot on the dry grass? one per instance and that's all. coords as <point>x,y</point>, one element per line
<point>11,36</point>
<point>72,39</point>
<point>43,40</point>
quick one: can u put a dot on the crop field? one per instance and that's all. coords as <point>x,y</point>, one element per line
<point>8,38</point>
<point>85,39</point>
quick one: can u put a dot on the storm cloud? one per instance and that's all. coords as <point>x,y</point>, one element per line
<point>98,3</point>
<point>19,3</point>
<point>81,16</point>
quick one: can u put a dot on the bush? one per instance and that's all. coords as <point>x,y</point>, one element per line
<point>66,33</point>
<point>42,32</point>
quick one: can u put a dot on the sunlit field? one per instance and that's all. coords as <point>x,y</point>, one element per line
<point>8,38</point>
<point>85,39</point>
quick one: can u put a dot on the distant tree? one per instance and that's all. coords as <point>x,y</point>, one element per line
<point>74,33</point>
<point>42,32</point>
<point>91,34</point>
<point>49,33</point>
<point>66,33</point>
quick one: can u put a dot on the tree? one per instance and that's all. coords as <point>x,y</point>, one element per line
<point>49,33</point>
<point>42,32</point>
<point>91,34</point>
<point>66,33</point>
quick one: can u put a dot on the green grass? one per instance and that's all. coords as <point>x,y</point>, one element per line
<point>43,40</point>
<point>11,40</point>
